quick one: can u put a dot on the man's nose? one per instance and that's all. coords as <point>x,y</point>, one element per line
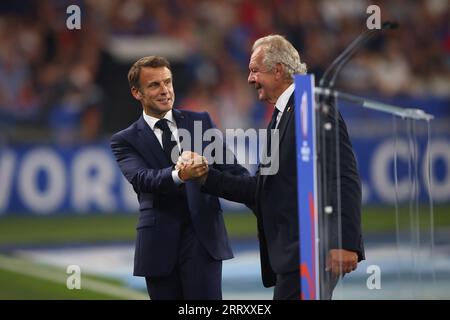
<point>164,89</point>
<point>251,78</point>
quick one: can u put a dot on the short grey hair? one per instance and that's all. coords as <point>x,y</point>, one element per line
<point>278,50</point>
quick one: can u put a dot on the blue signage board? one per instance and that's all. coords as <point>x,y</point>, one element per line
<point>307,186</point>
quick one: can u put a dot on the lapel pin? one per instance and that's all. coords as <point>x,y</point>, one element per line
<point>289,109</point>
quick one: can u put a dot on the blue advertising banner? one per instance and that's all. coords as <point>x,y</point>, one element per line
<point>381,143</point>
<point>46,179</point>
<point>307,186</point>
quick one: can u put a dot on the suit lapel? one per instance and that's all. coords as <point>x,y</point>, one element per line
<point>182,123</point>
<point>180,118</point>
<point>195,198</point>
<point>149,144</point>
<point>282,127</point>
<point>286,117</point>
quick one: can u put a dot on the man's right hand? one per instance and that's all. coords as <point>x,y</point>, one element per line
<point>192,166</point>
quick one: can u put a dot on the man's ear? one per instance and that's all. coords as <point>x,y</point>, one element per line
<point>279,70</point>
<point>136,93</point>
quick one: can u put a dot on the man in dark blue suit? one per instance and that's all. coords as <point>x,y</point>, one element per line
<point>181,237</point>
<point>273,197</point>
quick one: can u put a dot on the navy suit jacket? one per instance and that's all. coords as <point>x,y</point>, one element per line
<point>163,204</point>
<point>273,199</point>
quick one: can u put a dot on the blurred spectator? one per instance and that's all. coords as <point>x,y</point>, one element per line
<point>17,96</point>
<point>65,82</point>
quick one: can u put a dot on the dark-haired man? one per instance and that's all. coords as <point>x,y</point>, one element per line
<point>181,237</point>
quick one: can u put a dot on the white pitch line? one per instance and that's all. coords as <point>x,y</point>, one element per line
<point>27,268</point>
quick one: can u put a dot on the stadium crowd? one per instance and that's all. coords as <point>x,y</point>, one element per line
<point>55,83</point>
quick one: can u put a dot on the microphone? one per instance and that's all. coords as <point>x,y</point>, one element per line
<point>345,56</point>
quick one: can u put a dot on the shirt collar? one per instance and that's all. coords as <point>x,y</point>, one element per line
<point>151,121</point>
<point>284,98</point>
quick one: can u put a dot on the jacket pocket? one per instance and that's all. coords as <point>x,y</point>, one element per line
<point>146,204</point>
<point>145,222</point>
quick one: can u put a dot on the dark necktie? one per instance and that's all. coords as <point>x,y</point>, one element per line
<point>270,127</point>
<point>167,142</point>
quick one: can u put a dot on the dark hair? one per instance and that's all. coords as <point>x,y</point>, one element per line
<point>150,61</point>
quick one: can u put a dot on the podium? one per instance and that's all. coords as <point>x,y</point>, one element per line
<point>317,142</point>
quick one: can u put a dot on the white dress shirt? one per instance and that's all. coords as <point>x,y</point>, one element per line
<point>151,121</point>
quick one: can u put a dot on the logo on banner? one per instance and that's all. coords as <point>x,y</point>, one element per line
<point>305,150</point>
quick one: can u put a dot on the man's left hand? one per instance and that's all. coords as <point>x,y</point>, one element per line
<point>341,261</point>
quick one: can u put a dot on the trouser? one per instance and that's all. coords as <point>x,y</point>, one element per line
<point>196,274</point>
<point>288,286</point>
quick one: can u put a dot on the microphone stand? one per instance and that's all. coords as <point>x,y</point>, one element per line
<point>329,147</point>
<point>349,52</point>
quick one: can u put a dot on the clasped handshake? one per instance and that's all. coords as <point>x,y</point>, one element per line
<point>192,166</point>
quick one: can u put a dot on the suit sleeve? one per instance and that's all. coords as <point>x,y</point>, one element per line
<point>350,187</point>
<point>136,171</point>
<point>231,187</point>
<point>228,179</point>
<point>229,162</point>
